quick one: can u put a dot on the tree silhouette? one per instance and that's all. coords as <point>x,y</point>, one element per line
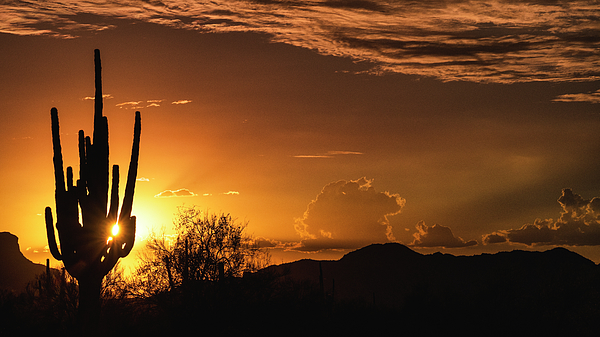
<point>207,247</point>
<point>90,249</point>
<point>52,299</point>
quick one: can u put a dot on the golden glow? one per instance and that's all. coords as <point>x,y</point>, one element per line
<point>115,229</point>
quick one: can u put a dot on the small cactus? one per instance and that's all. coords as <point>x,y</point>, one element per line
<point>90,249</point>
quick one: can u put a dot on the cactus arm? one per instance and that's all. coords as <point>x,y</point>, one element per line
<point>97,167</point>
<point>59,177</point>
<point>50,233</point>
<point>69,178</point>
<point>67,216</point>
<point>132,172</point>
<point>100,137</point>
<point>126,221</point>
<point>98,105</point>
<point>129,237</point>
<point>114,197</point>
<point>82,161</point>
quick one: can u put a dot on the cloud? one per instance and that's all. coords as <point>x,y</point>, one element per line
<point>231,193</point>
<point>312,156</point>
<point>153,103</point>
<point>223,193</point>
<point>262,242</point>
<point>22,138</point>
<point>479,41</point>
<point>140,104</point>
<point>92,98</point>
<point>182,192</point>
<point>496,237</point>
<point>183,101</point>
<point>590,97</point>
<point>438,236</point>
<point>142,179</point>
<point>347,214</point>
<point>329,154</point>
<point>578,225</point>
<point>129,105</point>
<point>333,153</point>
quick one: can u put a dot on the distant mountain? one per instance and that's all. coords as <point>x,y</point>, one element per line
<point>541,291</point>
<point>15,269</point>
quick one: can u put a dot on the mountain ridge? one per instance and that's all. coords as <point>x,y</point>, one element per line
<point>15,269</point>
<point>389,274</point>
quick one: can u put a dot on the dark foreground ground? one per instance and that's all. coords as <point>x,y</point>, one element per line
<point>385,289</point>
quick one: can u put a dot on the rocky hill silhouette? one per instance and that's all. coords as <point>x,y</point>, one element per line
<point>373,290</point>
<point>15,269</point>
<point>552,291</point>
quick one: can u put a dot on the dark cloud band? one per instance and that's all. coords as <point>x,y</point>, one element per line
<point>479,41</point>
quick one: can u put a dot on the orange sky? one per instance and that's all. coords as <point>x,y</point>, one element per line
<point>327,126</point>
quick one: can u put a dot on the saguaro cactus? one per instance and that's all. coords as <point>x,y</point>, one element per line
<point>90,249</point>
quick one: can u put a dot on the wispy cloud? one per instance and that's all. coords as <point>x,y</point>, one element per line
<point>590,97</point>
<point>140,104</point>
<point>329,154</point>
<point>92,98</point>
<point>183,101</point>
<point>153,103</point>
<point>312,156</point>
<point>231,193</point>
<point>333,153</point>
<point>129,105</point>
<point>182,192</point>
<point>22,138</point>
<point>501,41</point>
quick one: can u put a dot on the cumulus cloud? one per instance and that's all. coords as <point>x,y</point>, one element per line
<point>347,214</point>
<point>480,41</point>
<point>182,192</point>
<point>438,236</point>
<point>578,225</point>
<point>142,179</point>
<point>495,237</point>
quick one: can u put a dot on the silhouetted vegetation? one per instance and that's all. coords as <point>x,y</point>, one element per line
<point>206,248</point>
<point>90,249</point>
<point>377,288</point>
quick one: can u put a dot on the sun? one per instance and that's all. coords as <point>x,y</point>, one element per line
<point>115,230</point>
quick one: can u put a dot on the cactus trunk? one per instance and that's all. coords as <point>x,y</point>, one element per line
<point>89,303</point>
<point>88,249</point>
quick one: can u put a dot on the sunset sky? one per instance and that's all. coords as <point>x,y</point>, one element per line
<point>448,126</point>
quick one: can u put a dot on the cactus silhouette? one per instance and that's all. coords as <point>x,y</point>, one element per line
<point>90,249</point>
